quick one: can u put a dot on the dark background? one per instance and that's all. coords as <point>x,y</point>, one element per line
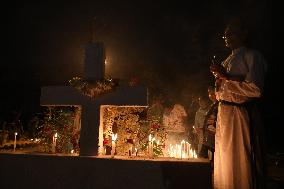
<point>168,46</point>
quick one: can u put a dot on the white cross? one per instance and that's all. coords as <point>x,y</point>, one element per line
<point>91,135</point>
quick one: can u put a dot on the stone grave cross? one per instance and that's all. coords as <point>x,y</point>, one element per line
<point>91,120</point>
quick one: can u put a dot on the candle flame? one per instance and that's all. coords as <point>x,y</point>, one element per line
<point>55,135</point>
<point>150,137</point>
<point>16,133</point>
<point>114,137</point>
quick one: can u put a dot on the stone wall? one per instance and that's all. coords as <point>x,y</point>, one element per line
<point>45,171</point>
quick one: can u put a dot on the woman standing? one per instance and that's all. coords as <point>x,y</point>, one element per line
<point>238,161</point>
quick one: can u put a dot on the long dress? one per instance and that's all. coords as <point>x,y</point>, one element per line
<point>198,124</point>
<point>233,140</point>
<point>174,122</point>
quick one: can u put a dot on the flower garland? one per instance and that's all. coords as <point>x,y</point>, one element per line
<point>93,89</point>
<point>134,125</point>
<point>127,122</point>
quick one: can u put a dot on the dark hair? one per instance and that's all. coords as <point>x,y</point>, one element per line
<point>211,88</point>
<point>238,25</point>
<point>168,103</point>
<point>204,97</point>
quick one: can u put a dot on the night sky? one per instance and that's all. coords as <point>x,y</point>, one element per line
<point>165,45</point>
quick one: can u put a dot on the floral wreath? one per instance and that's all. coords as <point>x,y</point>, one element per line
<point>93,89</point>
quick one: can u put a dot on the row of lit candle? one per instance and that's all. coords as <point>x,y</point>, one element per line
<point>182,150</point>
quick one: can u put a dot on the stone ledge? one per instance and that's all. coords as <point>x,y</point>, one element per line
<point>45,171</point>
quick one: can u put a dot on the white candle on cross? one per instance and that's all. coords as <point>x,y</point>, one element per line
<point>54,138</point>
<point>150,146</point>
<point>113,138</point>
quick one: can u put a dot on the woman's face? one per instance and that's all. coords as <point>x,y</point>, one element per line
<point>202,103</point>
<point>233,38</point>
<point>229,38</point>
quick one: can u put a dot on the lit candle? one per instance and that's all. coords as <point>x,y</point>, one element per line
<point>53,147</point>
<point>170,150</point>
<point>113,138</point>
<point>177,151</point>
<point>15,141</point>
<point>187,149</point>
<point>194,154</point>
<point>150,146</point>
<point>182,148</point>
<point>136,151</point>
<point>54,143</point>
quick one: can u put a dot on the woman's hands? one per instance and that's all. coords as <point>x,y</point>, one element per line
<point>218,71</point>
<point>220,74</point>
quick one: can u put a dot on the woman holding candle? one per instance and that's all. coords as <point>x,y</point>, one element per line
<point>200,116</point>
<point>238,161</point>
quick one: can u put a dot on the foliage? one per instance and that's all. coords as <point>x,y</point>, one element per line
<point>127,121</point>
<point>58,120</point>
<point>134,128</point>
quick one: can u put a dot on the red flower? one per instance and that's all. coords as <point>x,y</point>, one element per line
<point>105,141</point>
<point>155,126</point>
